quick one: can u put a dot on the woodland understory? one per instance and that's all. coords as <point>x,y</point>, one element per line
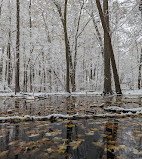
<point>70,46</point>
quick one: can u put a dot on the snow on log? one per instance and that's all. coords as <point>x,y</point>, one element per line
<point>119,109</point>
<point>54,117</point>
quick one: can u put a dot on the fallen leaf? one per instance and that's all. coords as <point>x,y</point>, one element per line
<point>34,135</point>
<point>18,150</point>
<point>62,147</point>
<point>94,129</point>
<point>31,132</point>
<point>90,133</point>
<point>3,153</point>
<point>99,144</point>
<point>69,126</point>
<point>49,150</point>
<point>75,144</point>
<point>61,151</point>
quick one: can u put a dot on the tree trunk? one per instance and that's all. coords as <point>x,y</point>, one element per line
<point>30,63</point>
<point>67,49</point>
<point>115,73</point>
<point>9,49</point>
<point>139,76</point>
<point>67,44</point>
<point>98,33</point>
<point>107,67</point>
<point>17,65</point>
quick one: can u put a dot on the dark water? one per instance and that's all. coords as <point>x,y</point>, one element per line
<point>83,139</point>
<point>110,138</point>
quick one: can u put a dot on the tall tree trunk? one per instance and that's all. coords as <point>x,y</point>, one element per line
<point>67,49</point>
<point>140,65</point>
<point>67,44</point>
<point>1,66</point>
<point>30,63</point>
<point>9,49</point>
<point>115,73</point>
<point>107,66</point>
<point>1,7</point>
<point>140,69</point>
<point>17,65</point>
<point>73,67</point>
<point>98,33</point>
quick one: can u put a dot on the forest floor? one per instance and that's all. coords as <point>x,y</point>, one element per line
<point>76,126</point>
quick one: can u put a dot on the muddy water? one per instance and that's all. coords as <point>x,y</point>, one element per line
<point>109,138</point>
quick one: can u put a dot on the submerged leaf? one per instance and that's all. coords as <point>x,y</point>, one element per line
<point>62,147</point>
<point>90,133</point>
<point>94,129</point>
<point>99,144</point>
<point>3,153</point>
<point>34,135</point>
<point>69,126</point>
<point>75,144</point>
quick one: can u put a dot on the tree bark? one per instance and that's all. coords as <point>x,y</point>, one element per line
<point>115,73</point>
<point>30,63</point>
<point>67,49</point>
<point>107,66</point>
<point>139,76</point>
<point>17,65</point>
<point>67,44</point>
<point>9,49</point>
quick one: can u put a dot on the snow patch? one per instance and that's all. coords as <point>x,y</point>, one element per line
<point>115,108</point>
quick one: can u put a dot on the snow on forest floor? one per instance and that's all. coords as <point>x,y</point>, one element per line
<point>35,94</point>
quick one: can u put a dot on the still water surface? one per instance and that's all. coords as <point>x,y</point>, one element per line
<point>109,138</point>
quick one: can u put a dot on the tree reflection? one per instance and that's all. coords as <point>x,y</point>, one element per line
<point>111,134</point>
<point>16,137</point>
<point>70,104</point>
<point>111,137</point>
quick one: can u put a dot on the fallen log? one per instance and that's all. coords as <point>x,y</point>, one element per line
<point>56,117</point>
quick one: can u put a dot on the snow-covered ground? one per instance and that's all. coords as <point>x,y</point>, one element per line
<point>12,94</point>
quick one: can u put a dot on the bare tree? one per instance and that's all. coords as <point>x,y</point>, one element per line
<point>115,73</point>
<point>67,44</point>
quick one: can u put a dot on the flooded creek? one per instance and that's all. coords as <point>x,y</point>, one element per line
<point>106,138</point>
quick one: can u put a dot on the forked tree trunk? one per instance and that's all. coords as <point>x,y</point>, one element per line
<point>67,44</point>
<point>115,73</point>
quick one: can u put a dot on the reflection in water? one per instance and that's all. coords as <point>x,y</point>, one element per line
<point>16,137</point>
<point>111,137</point>
<point>70,139</point>
<point>62,104</point>
<point>93,138</point>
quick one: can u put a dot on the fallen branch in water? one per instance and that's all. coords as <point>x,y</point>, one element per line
<point>123,110</point>
<point>55,117</point>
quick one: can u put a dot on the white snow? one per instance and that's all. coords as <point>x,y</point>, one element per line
<point>122,109</point>
<point>56,116</point>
